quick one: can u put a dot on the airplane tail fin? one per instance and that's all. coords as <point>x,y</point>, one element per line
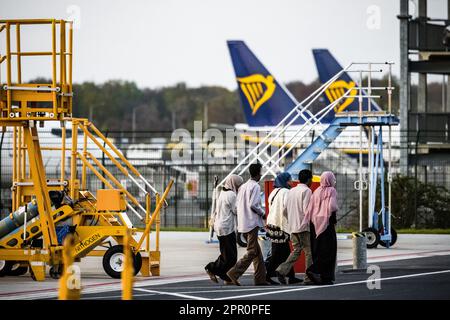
<point>265,101</point>
<point>327,67</point>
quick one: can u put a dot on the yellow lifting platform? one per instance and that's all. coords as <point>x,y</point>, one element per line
<point>28,236</point>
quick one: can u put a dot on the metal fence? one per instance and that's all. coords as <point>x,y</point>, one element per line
<point>190,198</point>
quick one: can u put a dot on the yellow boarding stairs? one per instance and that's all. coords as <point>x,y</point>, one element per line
<point>95,219</point>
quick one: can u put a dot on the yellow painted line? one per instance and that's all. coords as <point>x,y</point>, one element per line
<point>250,138</point>
<point>356,151</point>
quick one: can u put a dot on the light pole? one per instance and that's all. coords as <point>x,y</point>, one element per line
<point>133,125</point>
<point>205,116</point>
<point>206,106</point>
<point>91,115</point>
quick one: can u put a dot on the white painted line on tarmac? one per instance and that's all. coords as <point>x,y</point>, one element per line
<point>100,288</point>
<point>145,283</point>
<point>119,296</point>
<point>188,294</point>
<point>397,257</point>
<point>154,292</point>
<point>108,287</point>
<point>233,290</point>
<point>172,294</point>
<point>333,286</point>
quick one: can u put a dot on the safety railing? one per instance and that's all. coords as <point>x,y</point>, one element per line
<point>311,122</point>
<point>30,101</point>
<point>24,107</point>
<point>91,135</point>
<point>87,142</point>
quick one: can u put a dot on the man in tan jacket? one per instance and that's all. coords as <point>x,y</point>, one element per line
<point>297,202</point>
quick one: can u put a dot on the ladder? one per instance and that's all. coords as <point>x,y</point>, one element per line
<point>25,106</point>
<point>311,122</point>
<point>359,118</point>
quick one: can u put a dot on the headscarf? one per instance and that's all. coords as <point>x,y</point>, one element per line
<point>276,221</point>
<point>233,182</point>
<point>323,203</point>
<point>327,183</point>
<point>281,181</point>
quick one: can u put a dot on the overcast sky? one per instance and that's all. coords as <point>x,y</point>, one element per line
<point>161,42</point>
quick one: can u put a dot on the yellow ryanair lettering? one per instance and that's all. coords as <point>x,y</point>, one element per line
<point>257,89</point>
<point>337,89</point>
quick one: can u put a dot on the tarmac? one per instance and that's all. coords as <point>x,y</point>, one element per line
<point>416,267</point>
<point>410,279</point>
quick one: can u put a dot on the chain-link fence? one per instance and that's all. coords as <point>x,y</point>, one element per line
<point>189,200</point>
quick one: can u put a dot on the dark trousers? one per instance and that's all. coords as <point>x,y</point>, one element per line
<point>227,258</point>
<point>280,252</point>
<point>324,251</point>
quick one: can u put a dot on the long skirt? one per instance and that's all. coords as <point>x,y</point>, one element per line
<point>227,257</point>
<point>324,252</point>
<point>280,252</point>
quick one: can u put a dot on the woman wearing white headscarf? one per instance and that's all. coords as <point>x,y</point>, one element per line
<point>224,222</point>
<point>277,229</point>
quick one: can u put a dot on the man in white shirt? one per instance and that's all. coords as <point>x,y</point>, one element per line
<point>250,217</point>
<point>297,202</point>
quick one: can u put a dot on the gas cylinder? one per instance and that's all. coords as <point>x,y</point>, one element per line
<point>16,219</point>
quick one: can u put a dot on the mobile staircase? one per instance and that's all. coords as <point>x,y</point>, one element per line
<point>31,236</point>
<point>367,119</point>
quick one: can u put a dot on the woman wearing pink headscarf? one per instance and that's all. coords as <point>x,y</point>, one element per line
<point>321,215</point>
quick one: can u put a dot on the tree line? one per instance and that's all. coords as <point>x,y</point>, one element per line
<point>110,105</point>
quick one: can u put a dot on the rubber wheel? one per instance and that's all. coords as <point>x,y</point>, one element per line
<point>372,236</point>
<point>18,270</point>
<point>241,241</point>
<point>113,261</point>
<point>5,267</point>
<point>393,239</point>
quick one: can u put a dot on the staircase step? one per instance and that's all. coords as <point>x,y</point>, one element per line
<point>308,161</point>
<point>326,138</point>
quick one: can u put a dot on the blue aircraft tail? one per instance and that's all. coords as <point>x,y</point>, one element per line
<point>266,102</point>
<point>327,67</point>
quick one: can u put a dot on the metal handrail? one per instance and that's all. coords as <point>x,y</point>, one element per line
<point>299,107</point>
<point>310,123</point>
<point>293,145</point>
<point>325,111</point>
<point>122,157</point>
<point>85,126</point>
<point>107,183</point>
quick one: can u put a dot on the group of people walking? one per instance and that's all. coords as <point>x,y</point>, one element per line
<point>296,215</point>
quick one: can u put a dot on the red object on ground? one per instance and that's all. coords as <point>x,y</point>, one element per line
<point>299,266</point>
